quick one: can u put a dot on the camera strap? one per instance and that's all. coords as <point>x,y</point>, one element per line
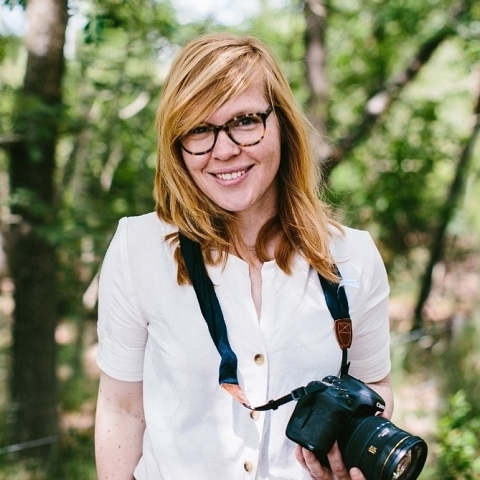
<point>297,394</point>
<point>335,298</point>
<point>337,303</point>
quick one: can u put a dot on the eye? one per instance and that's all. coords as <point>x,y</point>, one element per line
<point>199,130</point>
<point>247,121</point>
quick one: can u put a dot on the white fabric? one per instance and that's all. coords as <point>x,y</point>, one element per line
<point>151,329</point>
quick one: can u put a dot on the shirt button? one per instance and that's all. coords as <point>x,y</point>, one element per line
<point>248,466</point>
<point>254,415</point>
<point>259,359</point>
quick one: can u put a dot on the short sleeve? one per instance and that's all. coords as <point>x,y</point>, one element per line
<point>122,332</point>
<point>370,351</point>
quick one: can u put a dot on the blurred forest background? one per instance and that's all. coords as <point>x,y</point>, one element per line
<point>394,87</point>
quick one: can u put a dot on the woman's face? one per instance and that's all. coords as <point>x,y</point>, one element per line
<point>240,179</point>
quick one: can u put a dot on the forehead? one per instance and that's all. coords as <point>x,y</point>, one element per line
<point>251,100</point>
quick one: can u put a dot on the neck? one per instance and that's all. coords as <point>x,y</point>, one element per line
<point>250,222</point>
<point>249,232</point>
<point>249,229</point>
<point>249,226</point>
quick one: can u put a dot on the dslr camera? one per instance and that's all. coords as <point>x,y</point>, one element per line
<point>344,410</point>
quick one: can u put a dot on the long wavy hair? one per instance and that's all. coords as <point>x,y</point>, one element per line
<point>209,71</point>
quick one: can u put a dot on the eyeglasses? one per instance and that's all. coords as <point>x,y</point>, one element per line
<point>244,130</point>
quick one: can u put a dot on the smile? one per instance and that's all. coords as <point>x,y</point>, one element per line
<point>230,176</point>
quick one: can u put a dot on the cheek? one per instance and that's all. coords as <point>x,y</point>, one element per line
<point>187,162</point>
<point>194,167</point>
<point>275,156</point>
<point>275,149</point>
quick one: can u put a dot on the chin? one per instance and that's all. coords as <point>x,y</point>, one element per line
<point>234,210</point>
<point>233,207</point>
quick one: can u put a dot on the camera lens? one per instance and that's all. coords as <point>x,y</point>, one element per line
<point>408,465</point>
<point>381,450</point>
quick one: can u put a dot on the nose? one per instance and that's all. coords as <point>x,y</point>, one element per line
<point>224,147</point>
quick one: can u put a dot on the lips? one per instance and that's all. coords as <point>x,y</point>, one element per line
<point>231,175</point>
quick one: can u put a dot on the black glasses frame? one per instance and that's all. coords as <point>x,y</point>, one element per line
<point>226,128</point>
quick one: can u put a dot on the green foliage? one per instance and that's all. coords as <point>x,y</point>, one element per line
<point>450,360</point>
<point>282,30</point>
<point>77,453</point>
<point>76,450</point>
<point>105,17</point>
<point>107,154</point>
<point>11,55</point>
<point>459,445</point>
<point>394,183</point>
<point>460,362</point>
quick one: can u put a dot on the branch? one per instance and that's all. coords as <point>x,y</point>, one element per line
<point>390,91</point>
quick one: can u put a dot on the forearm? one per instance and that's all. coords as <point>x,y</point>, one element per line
<point>119,428</point>
<point>118,446</point>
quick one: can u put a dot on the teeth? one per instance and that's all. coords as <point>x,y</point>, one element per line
<point>230,176</point>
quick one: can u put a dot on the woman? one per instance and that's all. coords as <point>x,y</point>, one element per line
<point>236,175</point>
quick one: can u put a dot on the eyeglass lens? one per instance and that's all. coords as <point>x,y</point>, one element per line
<point>244,130</point>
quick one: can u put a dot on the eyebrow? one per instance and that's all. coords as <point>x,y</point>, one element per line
<point>240,113</point>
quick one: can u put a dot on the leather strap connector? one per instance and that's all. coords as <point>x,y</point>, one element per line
<point>344,333</point>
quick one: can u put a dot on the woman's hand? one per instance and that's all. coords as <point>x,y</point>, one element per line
<point>337,470</point>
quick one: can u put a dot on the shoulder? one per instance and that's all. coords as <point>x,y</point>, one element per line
<point>358,259</point>
<point>352,245</point>
<point>147,223</point>
<point>144,229</point>
<point>140,238</point>
<point>139,249</point>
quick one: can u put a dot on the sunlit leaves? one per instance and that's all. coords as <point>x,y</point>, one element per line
<point>459,445</point>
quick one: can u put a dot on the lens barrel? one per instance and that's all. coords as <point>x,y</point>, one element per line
<point>381,450</point>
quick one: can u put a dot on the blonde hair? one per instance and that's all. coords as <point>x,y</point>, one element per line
<point>209,71</point>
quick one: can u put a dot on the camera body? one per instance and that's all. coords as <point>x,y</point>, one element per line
<point>319,418</point>
<point>344,410</point>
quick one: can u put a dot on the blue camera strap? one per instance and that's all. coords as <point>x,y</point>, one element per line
<point>337,303</point>
<point>335,298</point>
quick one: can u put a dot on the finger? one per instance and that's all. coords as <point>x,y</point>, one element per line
<point>336,463</point>
<point>299,456</point>
<point>316,469</point>
<point>356,474</point>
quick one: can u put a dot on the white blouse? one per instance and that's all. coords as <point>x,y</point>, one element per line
<point>151,329</point>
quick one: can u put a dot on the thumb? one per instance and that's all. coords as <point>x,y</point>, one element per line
<point>356,474</point>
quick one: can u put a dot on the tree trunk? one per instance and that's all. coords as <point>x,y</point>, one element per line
<point>32,253</point>
<point>315,14</point>
<point>436,250</point>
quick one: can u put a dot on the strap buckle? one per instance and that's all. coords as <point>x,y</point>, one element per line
<point>299,393</point>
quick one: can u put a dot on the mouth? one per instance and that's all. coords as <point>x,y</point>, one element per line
<point>230,175</point>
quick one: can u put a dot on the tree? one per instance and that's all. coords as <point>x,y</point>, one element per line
<point>31,247</point>
<point>448,210</point>
<point>390,157</point>
<point>315,13</point>
<point>391,88</point>
<point>391,142</point>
